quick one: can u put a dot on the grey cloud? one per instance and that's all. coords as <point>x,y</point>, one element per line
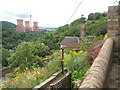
<point>23,15</point>
<point>19,15</point>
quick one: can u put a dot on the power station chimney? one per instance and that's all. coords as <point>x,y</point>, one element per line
<point>35,26</point>
<point>27,26</point>
<point>20,27</point>
<point>31,22</point>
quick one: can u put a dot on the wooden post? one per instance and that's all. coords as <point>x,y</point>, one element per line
<point>62,63</point>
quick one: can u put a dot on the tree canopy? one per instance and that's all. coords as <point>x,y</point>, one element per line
<point>28,54</point>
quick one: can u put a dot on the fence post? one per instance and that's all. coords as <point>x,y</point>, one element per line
<point>62,63</point>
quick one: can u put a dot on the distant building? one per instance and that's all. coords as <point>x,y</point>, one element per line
<point>70,43</point>
<point>20,27</point>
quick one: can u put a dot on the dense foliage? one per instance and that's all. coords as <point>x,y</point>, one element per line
<point>96,25</point>
<point>5,55</point>
<point>28,54</point>
<point>11,38</point>
<point>34,76</point>
<point>96,16</point>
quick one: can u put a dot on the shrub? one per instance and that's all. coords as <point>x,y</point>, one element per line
<point>75,61</point>
<point>94,51</point>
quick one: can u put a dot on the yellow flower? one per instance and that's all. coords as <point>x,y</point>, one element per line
<point>75,53</point>
<point>70,52</point>
<point>81,52</point>
<point>63,60</point>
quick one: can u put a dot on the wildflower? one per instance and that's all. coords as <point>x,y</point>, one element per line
<point>75,53</point>
<point>71,53</point>
<point>63,60</point>
<point>81,51</point>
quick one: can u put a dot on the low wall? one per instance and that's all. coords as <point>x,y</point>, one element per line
<point>97,74</point>
<point>63,82</point>
<point>57,80</point>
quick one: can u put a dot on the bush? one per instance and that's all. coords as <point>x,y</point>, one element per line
<point>75,61</point>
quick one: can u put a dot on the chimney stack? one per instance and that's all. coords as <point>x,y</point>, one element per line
<point>20,27</point>
<point>83,34</point>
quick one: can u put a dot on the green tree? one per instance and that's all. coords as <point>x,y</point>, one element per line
<point>5,55</point>
<point>28,54</point>
<point>96,16</point>
<point>97,27</point>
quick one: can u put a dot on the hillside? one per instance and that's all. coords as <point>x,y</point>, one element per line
<point>96,25</point>
<point>6,24</point>
<point>11,38</point>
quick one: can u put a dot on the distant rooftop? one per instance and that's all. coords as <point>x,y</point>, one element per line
<point>70,43</point>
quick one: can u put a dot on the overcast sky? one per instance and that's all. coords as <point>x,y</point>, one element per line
<point>50,13</point>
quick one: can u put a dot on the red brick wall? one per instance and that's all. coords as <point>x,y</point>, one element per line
<point>114,24</point>
<point>113,20</point>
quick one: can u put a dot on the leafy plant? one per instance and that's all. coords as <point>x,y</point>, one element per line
<point>78,75</point>
<point>105,37</point>
<point>75,61</point>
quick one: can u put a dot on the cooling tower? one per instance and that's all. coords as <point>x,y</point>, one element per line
<point>20,27</point>
<point>35,26</point>
<point>27,26</point>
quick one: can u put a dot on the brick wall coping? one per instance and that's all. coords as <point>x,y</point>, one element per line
<point>96,75</point>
